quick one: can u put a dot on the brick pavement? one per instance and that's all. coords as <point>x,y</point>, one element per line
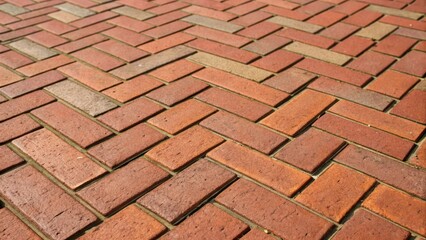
<point>212,119</point>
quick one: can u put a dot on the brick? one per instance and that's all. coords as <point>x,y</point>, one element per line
<point>376,31</point>
<point>18,33</point>
<point>421,46</point>
<point>130,114</point>
<point>412,106</point>
<point>167,29</point>
<point>233,67</point>
<point>393,84</point>
<point>117,150</point>
<point>100,17</point>
<point>218,36</point>
<point>175,70</point>
<point>335,191</point>
<point>277,214</point>
<point>259,30</point>
<point>98,59</point>
<point>371,62</point>
<point>305,37</point>
<point>290,80</point>
<point>8,77</point>
<point>351,93</point>
<point>222,50</point>
<point>251,18</point>
<point>13,60</point>
<point>395,45</point>
<point>23,104</point>
<point>246,8</point>
<point>87,31</point>
<point>234,103</point>
<point>213,23</point>
<point>411,33</point>
<point>56,27</point>
<point>64,17</point>
<point>166,42</point>
<point>395,12</point>
<point>256,234</point>
<point>58,219</point>
<point>169,7</point>
<point>180,195</point>
<point>292,117</point>
<point>209,4</point>
<point>286,5</point>
<point>116,189</point>
<point>364,225</point>
<point>28,22</point>
<point>353,45</point>
<point>33,49</point>
<point>295,15</point>
<point>419,157</point>
<point>181,116</point>
<point>315,7</point>
<point>243,86</point>
<point>75,10</point>
<point>290,23</point>
<point>7,18</point>
<point>16,127</point>
<point>339,31</point>
<point>404,22</point>
<point>90,102</point>
<point>8,159</point>
<point>121,50</point>
<point>177,91</point>
<point>277,61</point>
<point>209,222</point>
<point>305,153</point>
<point>372,138</point>
<point>151,62</point>
<point>130,223</point>
<point>130,23</point>
<point>45,65</point>
<point>327,18</point>
<point>166,18</point>
<point>12,9</point>
<point>70,123</point>
<point>267,44</point>
<point>13,228</point>
<point>244,131</point>
<point>127,36</point>
<point>398,207</point>
<point>47,39</point>
<point>412,63</point>
<point>138,4</point>
<point>363,18</point>
<point>219,15</point>
<point>318,53</point>
<point>280,177</point>
<point>349,8</point>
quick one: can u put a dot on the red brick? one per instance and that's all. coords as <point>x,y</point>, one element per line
<point>246,8</point>
<point>395,45</point>
<point>70,123</point>
<point>98,59</point>
<point>416,6</point>
<point>45,65</point>
<point>222,50</point>
<point>244,131</point>
<point>87,31</point>
<point>419,158</point>
<point>28,22</point>
<point>167,29</point>
<point>141,5</point>
<point>278,60</point>
<point>208,222</point>
<point>105,6</point>
<point>175,70</point>
<point>54,212</point>
<point>315,7</point>
<point>130,114</point>
<point>351,93</point>
<point>56,27</point>
<point>13,60</point>
<point>81,43</point>
<point>251,18</point>
<point>123,185</point>
<point>305,37</point>
<point>421,46</point>
<point>297,15</point>
<point>218,36</point>
<point>127,36</point>
<point>412,106</point>
<point>166,42</point>
<point>327,18</point>
<point>47,39</point>
<point>296,114</point>
<point>37,13</point>
<point>16,127</point>
<point>121,50</point>
<point>412,33</point>
<point>335,192</point>
<point>180,195</point>
<point>167,18</point>
<point>13,228</point>
<point>333,71</point>
<point>18,33</point>
<point>339,31</point>
<point>398,207</point>
<point>371,62</point>
<point>304,152</point>
<point>280,177</point>
<point>290,80</point>
<point>130,23</point>
<point>273,212</point>
<point>126,145</point>
<point>363,18</point>
<point>181,116</point>
<point>372,138</point>
<point>349,7</point>
<point>224,16</point>
<point>404,22</point>
<point>6,18</point>
<point>364,225</point>
<point>267,44</point>
<point>130,223</point>
<point>100,17</point>
<point>393,84</point>
<point>209,4</point>
<point>412,63</point>
<point>132,88</point>
<point>259,30</point>
<point>8,158</point>
<point>8,77</point>
<point>242,86</point>
<point>168,7</point>
<point>256,234</point>
<point>177,91</point>
<point>353,45</point>
<point>234,103</point>
<point>23,104</point>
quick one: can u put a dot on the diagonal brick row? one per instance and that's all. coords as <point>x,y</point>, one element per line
<point>212,119</point>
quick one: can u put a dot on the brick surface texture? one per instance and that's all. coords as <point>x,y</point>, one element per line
<point>213,119</point>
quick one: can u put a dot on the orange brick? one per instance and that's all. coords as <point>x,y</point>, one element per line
<point>419,158</point>
<point>412,106</point>
<point>81,43</point>
<point>256,234</point>
<point>98,59</point>
<point>13,228</point>
<point>121,50</point>
<point>175,70</point>
<point>16,127</point>
<point>167,29</point>
<point>327,18</point>
<point>395,45</point>
<point>8,158</point>
<point>13,60</point>
<point>130,23</point>
<point>45,65</point>
<point>353,45</point>
<point>259,30</point>
<point>290,80</point>
<point>305,37</point>
<point>8,77</point>
<point>224,16</point>
<point>363,18</point>
<point>218,36</point>
<point>371,63</point>
<point>87,31</point>
<point>166,42</point>
<point>413,63</point>
<point>127,36</point>
<point>404,22</point>
<point>278,60</point>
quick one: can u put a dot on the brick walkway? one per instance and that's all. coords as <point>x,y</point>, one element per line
<point>212,119</point>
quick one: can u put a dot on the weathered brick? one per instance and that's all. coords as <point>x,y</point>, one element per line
<point>16,127</point>
<point>54,212</point>
<point>121,50</point>
<point>130,223</point>
<point>280,177</point>
<point>366,136</point>
<point>8,77</point>
<point>244,131</point>
<point>276,214</point>
<point>399,207</point>
<point>412,106</point>
<point>126,145</point>
<point>185,191</point>
<point>81,43</point>
<point>130,114</point>
<point>12,9</point>
<point>213,23</point>
<point>90,102</point>
<point>412,63</point>
<point>296,15</point>
<point>411,33</point>
<point>47,39</point>
<point>218,36</point>
<point>291,23</point>
<point>371,62</point>
<point>419,157</point>
<point>376,31</point>
<point>166,42</point>
<point>45,65</point>
<point>8,159</point>
<point>290,80</point>
<point>98,59</point>
<point>296,114</point>
<point>13,228</point>
<point>256,234</point>
<point>13,60</point>
<point>33,49</point>
<point>224,16</point>
<point>75,10</point>
<point>394,45</point>
<point>168,7</point>
<point>63,16</point>
<point>318,53</point>
<point>304,152</point>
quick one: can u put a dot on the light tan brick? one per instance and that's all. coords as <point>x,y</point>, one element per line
<point>376,31</point>
<point>395,12</point>
<point>304,26</point>
<point>213,23</point>
<point>318,53</point>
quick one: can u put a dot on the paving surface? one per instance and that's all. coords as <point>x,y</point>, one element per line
<point>212,119</point>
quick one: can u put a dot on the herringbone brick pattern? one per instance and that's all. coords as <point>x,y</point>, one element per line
<point>212,119</point>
